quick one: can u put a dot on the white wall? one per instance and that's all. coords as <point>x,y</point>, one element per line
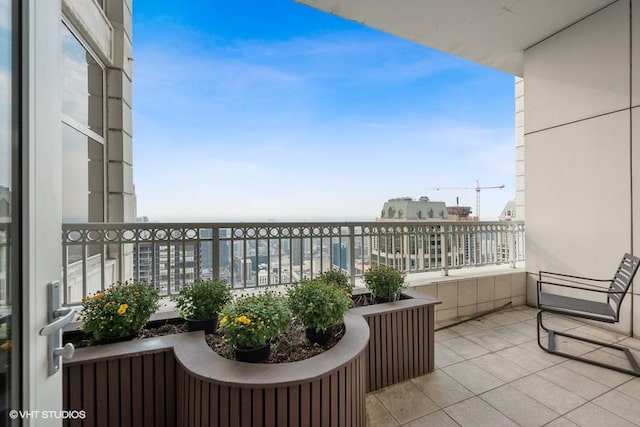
<point>579,140</point>
<point>519,136</point>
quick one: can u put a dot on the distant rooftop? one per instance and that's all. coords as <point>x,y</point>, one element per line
<point>509,211</point>
<point>405,208</point>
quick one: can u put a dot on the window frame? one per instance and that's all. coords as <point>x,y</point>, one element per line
<point>83,129</point>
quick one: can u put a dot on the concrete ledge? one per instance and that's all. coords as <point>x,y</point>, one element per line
<point>469,291</point>
<point>96,29</point>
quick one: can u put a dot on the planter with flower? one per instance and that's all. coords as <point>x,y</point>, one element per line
<point>119,312</point>
<point>200,303</point>
<point>385,283</point>
<point>251,322</point>
<point>320,306</point>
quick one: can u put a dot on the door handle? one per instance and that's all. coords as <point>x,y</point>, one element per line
<point>58,318</point>
<point>64,316</point>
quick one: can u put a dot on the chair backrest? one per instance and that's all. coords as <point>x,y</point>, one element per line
<point>622,280</point>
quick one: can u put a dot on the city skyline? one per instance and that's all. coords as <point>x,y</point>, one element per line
<point>301,115</point>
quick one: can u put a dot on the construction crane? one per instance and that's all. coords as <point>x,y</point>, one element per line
<point>477,188</point>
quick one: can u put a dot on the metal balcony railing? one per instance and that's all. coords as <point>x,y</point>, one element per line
<point>5,259</point>
<point>250,255</point>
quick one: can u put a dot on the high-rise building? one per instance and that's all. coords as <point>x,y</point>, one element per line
<point>423,250</point>
<point>419,251</point>
<point>339,256</point>
<point>166,266</point>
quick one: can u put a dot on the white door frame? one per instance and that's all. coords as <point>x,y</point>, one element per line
<point>41,198</point>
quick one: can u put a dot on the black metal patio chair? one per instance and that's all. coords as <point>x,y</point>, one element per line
<point>603,305</point>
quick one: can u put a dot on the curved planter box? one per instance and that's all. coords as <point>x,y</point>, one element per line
<point>179,380</point>
<point>401,344</point>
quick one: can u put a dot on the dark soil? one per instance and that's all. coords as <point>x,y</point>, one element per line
<point>292,345</point>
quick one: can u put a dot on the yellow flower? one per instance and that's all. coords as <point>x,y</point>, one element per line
<point>122,309</point>
<point>243,319</point>
<point>98,296</point>
<point>224,321</point>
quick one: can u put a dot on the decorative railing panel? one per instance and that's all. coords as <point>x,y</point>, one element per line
<point>5,260</point>
<point>250,255</point>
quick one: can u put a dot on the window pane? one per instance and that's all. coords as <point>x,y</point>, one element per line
<point>9,332</point>
<point>5,100</point>
<point>82,177</point>
<point>82,83</point>
<point>96,181</point>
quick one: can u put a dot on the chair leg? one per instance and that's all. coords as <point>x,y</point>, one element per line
<point>551,348</point>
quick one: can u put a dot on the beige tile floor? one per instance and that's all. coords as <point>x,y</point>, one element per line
<point>491,372</point>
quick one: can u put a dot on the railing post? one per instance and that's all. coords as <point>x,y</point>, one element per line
<point>513,245</point>
<point>352,255</point>
<point>215,252</point>
<point>445,250</point>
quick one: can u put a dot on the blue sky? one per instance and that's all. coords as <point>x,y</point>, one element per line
<point>272,110</point>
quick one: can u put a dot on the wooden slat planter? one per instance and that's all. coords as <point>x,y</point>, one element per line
<point>178,380</point>
<point>124,384</point>
<point>401,344</point>
<point>327,389</point>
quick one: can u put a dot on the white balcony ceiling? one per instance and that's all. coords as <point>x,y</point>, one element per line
<point>490,32</point>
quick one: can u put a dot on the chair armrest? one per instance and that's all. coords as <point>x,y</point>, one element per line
<point>582,288</point>
<point>560,275</point>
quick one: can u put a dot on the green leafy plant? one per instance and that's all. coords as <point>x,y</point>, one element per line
<point>337,278</point>
<point>384,282</point>
<point>318,304</point>
<point>120,310</point>
<point>202,300</point>
<point>251,321</point>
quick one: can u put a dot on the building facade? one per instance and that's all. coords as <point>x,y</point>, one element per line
<point>65,156</point>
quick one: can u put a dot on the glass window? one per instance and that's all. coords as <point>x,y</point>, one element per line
<point>10,349</point>
<point>82,84</point>
<point>82,177</point>
<point>82,132</point>
<point>5,95</point>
